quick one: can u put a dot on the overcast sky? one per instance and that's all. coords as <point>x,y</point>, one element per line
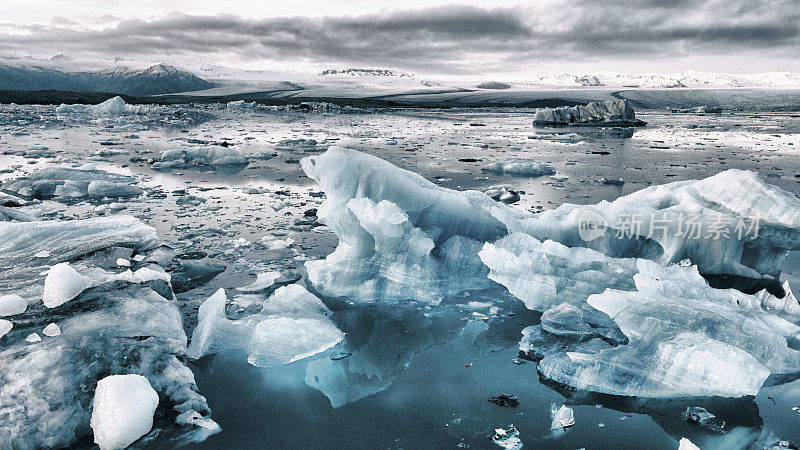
<point>470,38</point>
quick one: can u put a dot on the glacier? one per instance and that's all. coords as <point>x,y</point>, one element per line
<point>625,313</point>
<point>120,324</point>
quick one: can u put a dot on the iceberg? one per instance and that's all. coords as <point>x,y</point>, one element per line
<point>626,315</point>
<point>115,106</point>
<point>293,324</point>
<point>122,410</point>
<point>609,113</point>
<point>119,325</point>
<point>402,237</point>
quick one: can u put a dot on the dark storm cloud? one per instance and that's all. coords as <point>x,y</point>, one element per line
<point>452,38</point>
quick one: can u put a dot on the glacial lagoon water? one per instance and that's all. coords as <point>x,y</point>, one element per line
<point>406,375</point>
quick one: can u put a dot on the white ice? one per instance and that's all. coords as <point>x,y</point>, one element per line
<point>62,284</point>
<point>122,410</point>
<point>12,304</point>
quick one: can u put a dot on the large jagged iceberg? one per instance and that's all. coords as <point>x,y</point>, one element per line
<point>609,112</point>
<point>402,237</point>
<point>122,323</point>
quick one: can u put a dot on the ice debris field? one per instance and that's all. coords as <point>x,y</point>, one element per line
<point>216,275</point>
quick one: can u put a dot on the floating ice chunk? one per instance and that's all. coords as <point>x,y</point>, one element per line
<point>609,112</point>
<point>685,339</point>
<point>146,274</point>
<point>263,282</point>
<point>112,107</point>
<point>123,410</point>
<point>12,304</point>
<point>281,340</point>
<point>562,416</point>
<point>240,105</point>
<point>69,183</point>
<point>5,327</point>
<point>42,254</point>
<point>521,167</point>
<point>197,157</point>
<point>292,325</point>
<point>686,444</point>
<point>378,213</point>
<point>33,337</point>
<point>51,330</point>
<point>63,283</point>
<point>508,439</point>
<point>122,262</point>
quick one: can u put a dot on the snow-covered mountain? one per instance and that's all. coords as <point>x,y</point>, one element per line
<point>121,78</point>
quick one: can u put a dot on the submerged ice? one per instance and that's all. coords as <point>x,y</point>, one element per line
<point>626,312</point>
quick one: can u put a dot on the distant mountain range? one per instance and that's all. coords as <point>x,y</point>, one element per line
<point>117,79</point>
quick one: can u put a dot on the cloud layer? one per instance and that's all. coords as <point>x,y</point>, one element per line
<point>447,39</point>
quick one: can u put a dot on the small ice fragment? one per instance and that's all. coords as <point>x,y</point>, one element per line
<point>508,439</point>
<point>263,282</point>
<point>122,262</point>
<point>12,304</point>
<point>506,400</point>
<point>139,258</point>
<point>686,444</point>
<point>33,337</point>
<point>5,327</point>
<point>562,417</point>
<point>62,284</point>
<point>51,330</point>
<point>123,410</point>
<point>42,254</point>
